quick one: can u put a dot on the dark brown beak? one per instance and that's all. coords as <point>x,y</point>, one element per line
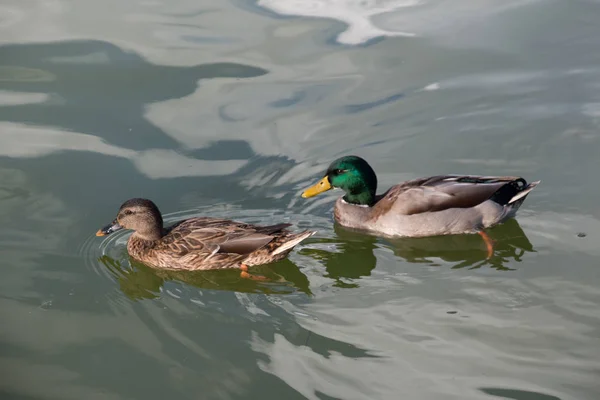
<point>108,229</point>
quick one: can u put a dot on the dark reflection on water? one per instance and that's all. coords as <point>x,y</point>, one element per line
<point>350,255</point>
<point>353,258</point>
<point>356,108</point>
<point>113,110</point>
<point>139,281</point>
<point>517,394</point>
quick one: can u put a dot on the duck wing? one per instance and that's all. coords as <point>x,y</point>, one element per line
<point>209,236</point>
<point>442,192</point>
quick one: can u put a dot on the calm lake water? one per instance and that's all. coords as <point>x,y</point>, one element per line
<point>230,109</point>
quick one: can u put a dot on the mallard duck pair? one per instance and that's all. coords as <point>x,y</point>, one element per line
<point>431,206</point>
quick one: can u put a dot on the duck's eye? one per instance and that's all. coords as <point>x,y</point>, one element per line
<point>338,171</point>
<point>127,212</point>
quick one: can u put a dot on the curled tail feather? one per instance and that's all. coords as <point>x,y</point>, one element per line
<point>520,197</point>
<point>513,193</point>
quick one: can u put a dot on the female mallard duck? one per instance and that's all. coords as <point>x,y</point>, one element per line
<point>200,243</point>
<point>431,206</point>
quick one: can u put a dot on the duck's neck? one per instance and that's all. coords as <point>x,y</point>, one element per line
<point>359,184</point>
<point>148,236</point>
<point>362,198</point>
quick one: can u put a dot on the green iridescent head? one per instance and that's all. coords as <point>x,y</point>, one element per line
<point>353,175</point>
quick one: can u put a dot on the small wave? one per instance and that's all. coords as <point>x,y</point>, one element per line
<point>110,253</point>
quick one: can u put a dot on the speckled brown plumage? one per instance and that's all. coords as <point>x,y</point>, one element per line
<point>200,243</point>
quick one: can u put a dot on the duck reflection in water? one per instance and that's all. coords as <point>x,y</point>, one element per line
<point>354,257</point>
<point>347,258</point>
<point>138,281</point>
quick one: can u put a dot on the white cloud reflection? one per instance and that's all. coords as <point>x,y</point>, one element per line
<point>8,98</point>
<point>357,14</point>
<point>369,19</point>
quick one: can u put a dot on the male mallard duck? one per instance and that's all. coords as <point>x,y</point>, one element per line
<point>200,243</point>
<point>431,206</point>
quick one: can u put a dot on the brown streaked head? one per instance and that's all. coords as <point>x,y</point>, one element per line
<point>140,215</point>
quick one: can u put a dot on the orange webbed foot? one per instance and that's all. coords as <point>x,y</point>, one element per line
<point>246,275</point>
<point>489,243</point>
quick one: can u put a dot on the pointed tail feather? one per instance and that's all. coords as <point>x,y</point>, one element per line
<point>293,242</point>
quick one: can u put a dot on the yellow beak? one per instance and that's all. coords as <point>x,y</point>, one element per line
<point>322,186</point>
